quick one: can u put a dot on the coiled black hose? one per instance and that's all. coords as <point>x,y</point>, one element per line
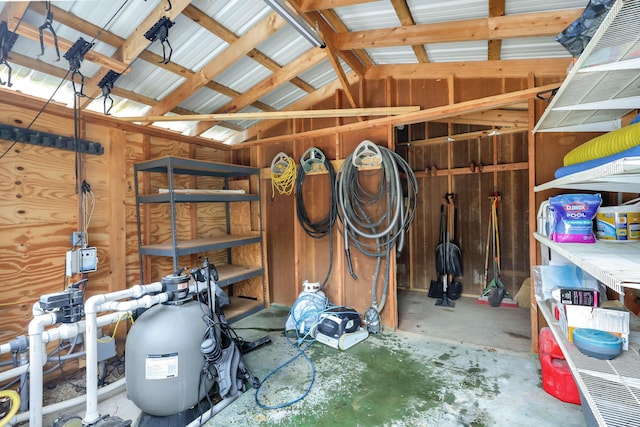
<point>324,226</point>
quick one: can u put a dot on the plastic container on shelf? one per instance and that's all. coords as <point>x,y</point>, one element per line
<point>557,379</point>
<point>618,223</point>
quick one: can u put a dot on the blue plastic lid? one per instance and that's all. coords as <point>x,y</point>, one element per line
<point>597,338</point>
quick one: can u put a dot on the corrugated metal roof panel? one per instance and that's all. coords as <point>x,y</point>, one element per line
<point>243,75</point>
<point>219,133</point>
<point>458,51</point>
<point>41,85</point>
<point>205,101</point>
<point>320,75</point>
<point>283,96</point>
<point>393,55</point>
<point>285,45</point>
<point>120,108</point>
<point>129,15</point>
<point>424,12</point>
<point>533,47</point>
<point>527,6</point>
<point>238,16</point>
<point>144,78</point>
<point>368,16</point>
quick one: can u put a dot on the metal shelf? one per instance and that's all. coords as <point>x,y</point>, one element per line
<point>188,247</point>
<point>622,175</point>
<point>197,198</point>
<point>610,388</point>
<point>604,83</point>
<point>228,273</point>
<point>615,264</point>
<point>182,166</point>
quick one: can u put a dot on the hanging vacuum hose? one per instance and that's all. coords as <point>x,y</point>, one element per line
<point>375,221</point>
<point>310,162</point>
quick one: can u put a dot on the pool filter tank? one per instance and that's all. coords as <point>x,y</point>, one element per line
<point>163,361</point>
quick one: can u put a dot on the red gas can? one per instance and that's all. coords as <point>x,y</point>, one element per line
<point>557,379</point>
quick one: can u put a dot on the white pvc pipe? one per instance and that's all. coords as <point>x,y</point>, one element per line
<point>91,307</point>
<point>14,372</point>
<point>36,362</point>
<point>103,392</point>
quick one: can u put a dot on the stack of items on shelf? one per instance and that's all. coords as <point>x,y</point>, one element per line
<point>617,144</point>
<point>576,299</point>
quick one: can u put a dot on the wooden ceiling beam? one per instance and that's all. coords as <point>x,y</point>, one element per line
<point>342,77</point>
<point>280,115</point>
<point>499,27</point>
<point>13,11</point>
<point>406,18</point>
<point>520,68</point>
<point>79,24</point>
<point>285,74</point>
<point>199,17</point>
<point>496,8</point>
<point>64,45</point>
<point>306,103</point>
<point>466,136</point>
<point>495,118</point>
<point>134,45</point>
<point>217,65</point>
<point>429,114</point>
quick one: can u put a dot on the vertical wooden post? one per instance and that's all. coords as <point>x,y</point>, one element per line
<point>118,212</point>
<point>532,214</point>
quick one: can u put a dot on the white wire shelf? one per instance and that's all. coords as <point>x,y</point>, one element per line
<point>622,175</point>
<point>609,388</point>
<point>615,264</point>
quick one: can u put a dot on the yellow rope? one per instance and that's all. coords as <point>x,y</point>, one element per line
<point>283,177</point>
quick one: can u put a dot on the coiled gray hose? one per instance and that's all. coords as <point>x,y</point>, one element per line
<point>376,221</point>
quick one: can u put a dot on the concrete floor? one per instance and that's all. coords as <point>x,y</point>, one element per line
<point>465,366</point>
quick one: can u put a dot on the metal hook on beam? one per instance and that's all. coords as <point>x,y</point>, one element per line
<point>48,21</point>
<point>160,31</point>
<point>7,39</point>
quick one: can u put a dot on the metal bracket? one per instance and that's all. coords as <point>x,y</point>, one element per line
<point>48,21</point>
<point>312,160</point>
<point>75,56</point>
<point>106,85</point>
<point>7,39</point>
<point>160,31</point>
<point>43,139</point>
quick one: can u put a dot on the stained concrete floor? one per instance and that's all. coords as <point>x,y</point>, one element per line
<point>465,366</point>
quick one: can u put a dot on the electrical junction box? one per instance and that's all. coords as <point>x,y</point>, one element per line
<point>83,260</point>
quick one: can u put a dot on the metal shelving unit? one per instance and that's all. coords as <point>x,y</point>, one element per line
<point>604,84</point>
<point>610,389</point>
<point>228,273</point>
